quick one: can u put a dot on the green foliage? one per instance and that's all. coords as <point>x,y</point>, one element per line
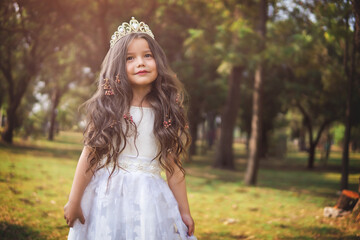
<point>338,131</point>
<point>203,41</point>
<point>314,75</point>
<point>34,126</point>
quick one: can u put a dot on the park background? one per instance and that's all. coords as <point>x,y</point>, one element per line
<point>274,96</point>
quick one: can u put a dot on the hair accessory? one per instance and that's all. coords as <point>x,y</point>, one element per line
<point>167,123</point>
<point>132,27</point>
<point>107,87</point>
<point>128,117</point>
<point>117,79</point>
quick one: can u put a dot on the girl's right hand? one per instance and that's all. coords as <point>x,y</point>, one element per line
<point>72,212</point>
<point>189,222</point>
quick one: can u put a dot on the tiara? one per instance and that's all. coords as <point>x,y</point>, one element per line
<point>132,27</point>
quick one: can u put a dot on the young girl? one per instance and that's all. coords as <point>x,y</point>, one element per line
<point>136,127</point>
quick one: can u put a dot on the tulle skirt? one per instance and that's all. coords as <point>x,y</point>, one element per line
<point>136,204</point>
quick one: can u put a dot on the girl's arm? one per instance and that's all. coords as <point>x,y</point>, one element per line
<point>177,185</point>
<point>72,209</point>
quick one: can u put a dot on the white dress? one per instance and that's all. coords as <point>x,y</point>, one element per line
<point>137,204</point>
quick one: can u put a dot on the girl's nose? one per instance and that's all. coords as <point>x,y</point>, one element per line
<point>140,62</point>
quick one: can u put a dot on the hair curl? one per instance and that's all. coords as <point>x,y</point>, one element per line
<point>106,130</point>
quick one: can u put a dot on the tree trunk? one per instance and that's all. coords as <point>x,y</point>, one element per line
<point>211,131</point>
<point>350,79</point>
<point>311,158</point>
<point>193,133</point>
<point>7,135</point>
<point>302,142</point>
<point>203,144</point>
<point>1,117</point>
<point>255,139</point>
<point>15,94</point>
<point>264,143</point>
<point>55,102</point>
<point>256,121</point>
<point>16,88</point>
<point>328,144</point>
<point>194,120</point>
<point>356,9</point>
<point>312,142</point>
<point>224,154</point>
<point>247,143</point>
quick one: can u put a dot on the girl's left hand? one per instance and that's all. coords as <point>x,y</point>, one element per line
<point>189,222</point>
<point>72,212</point>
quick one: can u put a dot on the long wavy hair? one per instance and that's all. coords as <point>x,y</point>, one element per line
<point>106,129</point>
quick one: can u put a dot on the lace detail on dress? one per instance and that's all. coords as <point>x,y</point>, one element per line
<point>135,164</point>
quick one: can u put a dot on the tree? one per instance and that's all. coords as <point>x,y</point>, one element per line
<point>310,56</point>
<point>256,128</point>
<point>191,25</point>
<point>224,154</point>
<point>59,72</point>
<point>350,74</point>
<point>235,35</point>
<point>313,138</point>
<point>29,38</point>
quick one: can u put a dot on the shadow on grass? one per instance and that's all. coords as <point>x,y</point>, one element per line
<point>42,151</point>
<point>224,236</point>
<point>320,233</point>
<point>201,167</point>
<point>10,231</point>
<point>298,164</point>
<point>288,175</point>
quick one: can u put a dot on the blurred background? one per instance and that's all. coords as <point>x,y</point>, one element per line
<point>274,96</point>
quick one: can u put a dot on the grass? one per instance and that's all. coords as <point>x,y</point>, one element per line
<point>36,177</point>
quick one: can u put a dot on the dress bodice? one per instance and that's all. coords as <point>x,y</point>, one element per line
<point>146,144</point>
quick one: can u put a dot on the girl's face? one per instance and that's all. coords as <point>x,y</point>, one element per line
<point>140,64</point>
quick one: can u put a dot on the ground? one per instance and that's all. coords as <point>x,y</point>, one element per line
<point>287,203</point>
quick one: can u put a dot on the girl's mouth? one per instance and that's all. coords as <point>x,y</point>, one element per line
<point>142,72</point>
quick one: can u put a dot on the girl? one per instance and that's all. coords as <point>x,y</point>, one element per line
<point>136,127</point>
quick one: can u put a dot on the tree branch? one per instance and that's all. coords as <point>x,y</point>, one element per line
<point>322,127</point>
<point>307,119</point>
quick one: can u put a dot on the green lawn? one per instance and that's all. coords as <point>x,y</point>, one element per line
<point>36,177</point>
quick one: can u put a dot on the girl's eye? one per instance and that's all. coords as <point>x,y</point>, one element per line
<point>148,55</point>
<point>129,58</point>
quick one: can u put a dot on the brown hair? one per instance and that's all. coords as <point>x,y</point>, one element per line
<point>106,130</point>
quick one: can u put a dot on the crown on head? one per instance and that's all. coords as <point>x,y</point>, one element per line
<point>132,27</point>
